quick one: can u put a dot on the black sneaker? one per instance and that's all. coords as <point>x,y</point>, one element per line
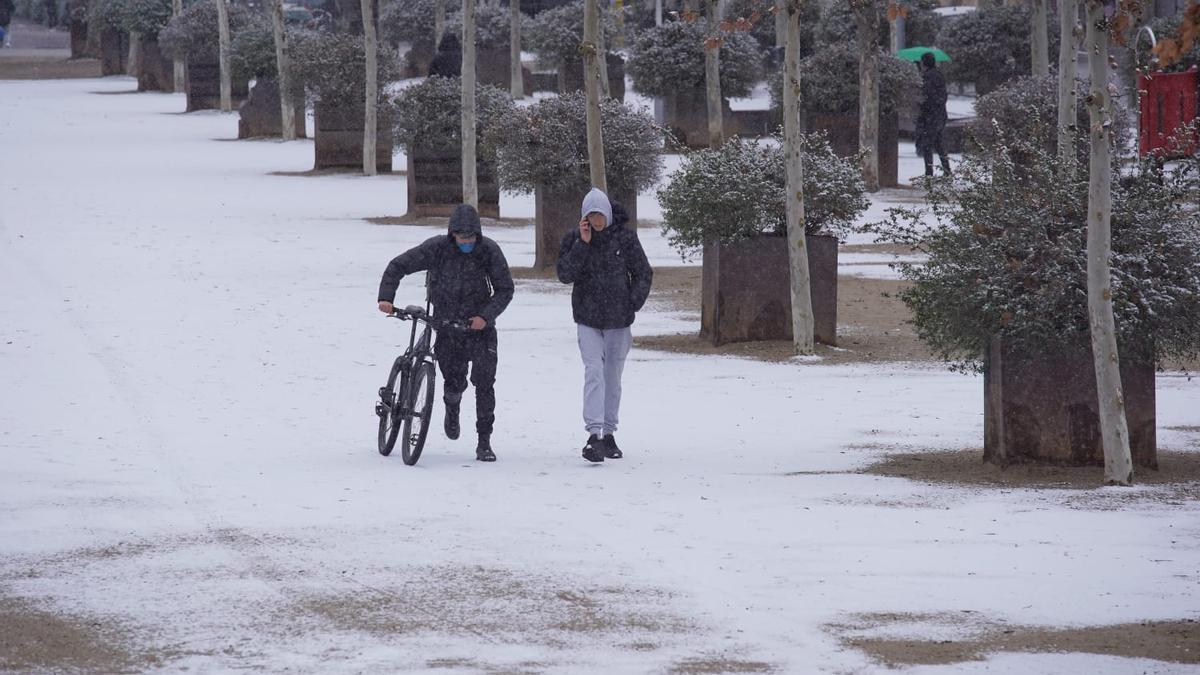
<point>483,451</point>
<point>593,451</point>
<point>450,424</point>
<point>611,450</point>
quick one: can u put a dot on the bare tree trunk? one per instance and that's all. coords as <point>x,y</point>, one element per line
<point>1068,56</point>
<point>470,179</point>
<point>371,96</point>
<point>517,88</point>
<point>658,12</point>
<point>591,86</point>
<point>133,63</point>
<point>781,24</point>
<point>712,78</point>
<point>691,6</point>
<point>866,15</point>
<point>1039,38</point>
<point>802,313</point>
<point>439,22</point>
<point>1114,430</point>
<point>287,107</point>
<point>602,51</point>
<point>180,66</point>
<point>223,56</point>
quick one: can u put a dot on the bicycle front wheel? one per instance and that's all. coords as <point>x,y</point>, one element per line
<point>418,411</point>
<point>388,409</point>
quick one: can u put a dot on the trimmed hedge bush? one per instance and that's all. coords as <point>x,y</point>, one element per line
<point>670,59</point>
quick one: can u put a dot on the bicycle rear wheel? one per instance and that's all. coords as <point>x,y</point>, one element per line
<point>418,411</point>
<point>388,409</point>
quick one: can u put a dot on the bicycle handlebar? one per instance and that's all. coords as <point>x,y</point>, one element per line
<point>417,313</point>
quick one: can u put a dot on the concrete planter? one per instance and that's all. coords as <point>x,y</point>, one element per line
<point>1042,407</point>
<point>338,137</point>
<point>114,52</point>
<point>685,115</point>
<point>494,67</point>
<point>418,58</point>
<point>204,87</point>
<point>556,212</point>
<point>842,130</point>
<point>745,290</point>
<point>158,71</point>
<point>435,185</point>
<point>570,77</point>
<point>260,117</point>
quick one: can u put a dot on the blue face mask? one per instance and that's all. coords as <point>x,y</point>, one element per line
<point>466,248</point>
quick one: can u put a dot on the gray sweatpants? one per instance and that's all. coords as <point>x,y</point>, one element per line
<point>603,353</point>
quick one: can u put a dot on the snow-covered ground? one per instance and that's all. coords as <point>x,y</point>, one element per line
<point>189,355</point>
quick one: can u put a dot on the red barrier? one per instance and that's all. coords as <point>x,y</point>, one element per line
<point>1168,104</point>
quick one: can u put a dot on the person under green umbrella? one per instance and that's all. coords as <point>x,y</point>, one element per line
<point>931,115</point>
<point>915,54</point>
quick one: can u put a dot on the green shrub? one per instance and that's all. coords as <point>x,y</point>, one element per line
<point>145,17</point>
<point>408,21</point>
<point>990,46</point>
<point>1166,27</point>
<point>837,25</point>
<point>555,34</point>
<point>192,35</point>
<point>428,116</point>
<point>546,144</point>
<point>829,82</point>
<point>332,67</point>
<point>670,59</point>
<point>738,191</point>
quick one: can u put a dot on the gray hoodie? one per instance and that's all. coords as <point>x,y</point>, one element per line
<point>596,201</point>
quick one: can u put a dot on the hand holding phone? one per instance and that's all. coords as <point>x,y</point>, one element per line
<point>585,231</point>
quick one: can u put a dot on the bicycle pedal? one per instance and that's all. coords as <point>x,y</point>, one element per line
<point>381,409</point>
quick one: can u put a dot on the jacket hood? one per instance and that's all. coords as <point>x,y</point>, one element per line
<point>595,201</point>
<point>465,220</point>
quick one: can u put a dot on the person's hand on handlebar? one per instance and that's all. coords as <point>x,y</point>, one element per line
<point>386,307</point>
<point>477,323</point>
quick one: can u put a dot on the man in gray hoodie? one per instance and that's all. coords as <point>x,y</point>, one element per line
<point>605,262</point>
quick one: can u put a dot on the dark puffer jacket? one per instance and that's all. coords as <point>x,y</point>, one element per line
<point>463,284</point>
<point>611,274</point>
<point>931,114</point>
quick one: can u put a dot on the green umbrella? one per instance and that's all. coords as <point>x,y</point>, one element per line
<point>914,54</point>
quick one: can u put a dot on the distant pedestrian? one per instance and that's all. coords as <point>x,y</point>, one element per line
<point>6,13</point>
<point>611,275</point>
<point>448,60</point>
<point>931,115</point>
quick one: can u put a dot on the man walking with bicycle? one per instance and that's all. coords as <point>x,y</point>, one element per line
<point>469,280</point>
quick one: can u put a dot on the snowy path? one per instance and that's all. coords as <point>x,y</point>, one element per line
<point>189,351</point>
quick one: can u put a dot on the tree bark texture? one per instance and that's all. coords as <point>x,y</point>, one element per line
<point>1114,430</point>
<point>1039,38</point>
<point>470,178</point>
<point>591,87</point>
<point>802,309</point>
<point>371,95</point>
<point>439,22</point>
<point>1068,55</point>
<point>133,64</point>
<point>866,15</point>
<point>287,106</point>
<point>180,66</point>
<point>223,58</point>
<point>602,53</point>
<point>517,86</point>
<point>712,77</point>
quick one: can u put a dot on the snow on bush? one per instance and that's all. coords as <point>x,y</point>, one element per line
<point>555,34</point>
<point>332,67</point>
<point>1008,258</point>
<point>837,25</point>
<point>1165,27</point>
<point>428,116</point>
<point>738,191</point>
<point>829,82</point>
<point>670,59</point>
<point>546,145</point>
<point>990,46</point>
<point>408,21</point>
<point>192,35</point>
<point>492,26</point>
<point>144,17</point>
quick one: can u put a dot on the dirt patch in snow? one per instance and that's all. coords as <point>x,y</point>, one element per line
<point>703,666</point>
<point>36,639</point>
<point>442,221</point>
<point>45,64</point>
<point>872,323</point>
<point>930,639</point>
<point>1176,480</point>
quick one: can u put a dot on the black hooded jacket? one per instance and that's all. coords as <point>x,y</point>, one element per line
<point>931,115</point>
<point>463,284</point>
<point>611,275</point>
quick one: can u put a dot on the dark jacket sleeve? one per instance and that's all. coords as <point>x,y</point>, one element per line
<point>413,260</point>
<point>641,275</point>
<point>502,285</point>
<point>571,255</point>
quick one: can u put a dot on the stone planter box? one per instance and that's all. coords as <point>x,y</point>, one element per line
<point>204,87</point>
<point>114,52</point>
<point>260,117</point>
<point>79,35</point>
<point>570,77</point>
<point>418,58</point>
<point>494,67</point>
<point>842,130</point>
<point>435,185</point>
<point>158,71</point>
<point>557,212</point>
<point>1043,408</point>
<point>338,137</point>
<point>545,81</point>
<point>685,115</point>
<point>751,123</point>
<point>745,292</point>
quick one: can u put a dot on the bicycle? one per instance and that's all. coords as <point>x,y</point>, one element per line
<point>398,403</point>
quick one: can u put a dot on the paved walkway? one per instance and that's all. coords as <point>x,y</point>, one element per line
<point>39,53</point>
